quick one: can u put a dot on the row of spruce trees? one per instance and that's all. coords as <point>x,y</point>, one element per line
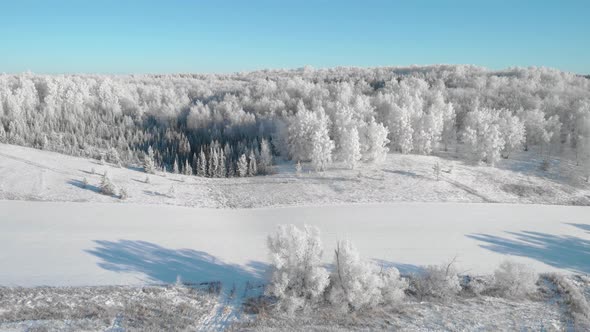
<point>215,161</point>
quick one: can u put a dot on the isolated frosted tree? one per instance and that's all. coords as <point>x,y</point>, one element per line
<point>242,166</point>
<point>106,185</point>
<point>123,193</point>
<point>148,161</point>
<point>515,279</point>
<point>354,282</point>
<point>393,287</point>
<point>437,281</point>
<point>298,278</point>
<point>350,148</point>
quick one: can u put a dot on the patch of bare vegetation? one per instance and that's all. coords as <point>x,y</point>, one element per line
<point>151,308</point>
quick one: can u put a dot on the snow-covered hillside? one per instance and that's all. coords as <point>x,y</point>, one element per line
<point>30,174</point>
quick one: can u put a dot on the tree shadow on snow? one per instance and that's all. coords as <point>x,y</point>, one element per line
<point>404,173</point>
<point>566,252</point>
<point>82,185</point>
<point>584,227</point>
<point>163,265</point>
<point>404,269</point>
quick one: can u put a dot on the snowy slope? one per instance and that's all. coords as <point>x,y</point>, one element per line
<point>44,243</point>
<point>29,174</point>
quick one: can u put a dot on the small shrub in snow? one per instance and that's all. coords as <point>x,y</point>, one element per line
<point>172,192</point>
<point>106,186</point>
<point>357,284</point>
<point>577,305</point>
<point>436,170</point>
<point>298,279</point>
<point>514,279</point>
<point>394,286</point>
<point>440,282</point>
<point>123,193</point>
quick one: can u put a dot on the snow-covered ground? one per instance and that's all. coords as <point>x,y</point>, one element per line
<point>56,231</point>
<point>75,244</point>
<point>65,243</point>
<point>29,174</point>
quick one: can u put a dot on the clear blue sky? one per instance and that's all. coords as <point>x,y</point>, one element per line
<point>119,36</point>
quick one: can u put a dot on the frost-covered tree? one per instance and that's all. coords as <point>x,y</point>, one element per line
<point>538,127</point>
<point>202,164</point>
<point>265,160</point>
<point>175,168</point>
<point>242,166</point>
<point>358,284</point>
<point>482,135</point>
<point>514,279</point>
<point>113,157</point>
<point>252,168</point>
<point>321,144</point>
<point>350,148</point>
<point>298,278</point>
<point>375,142</point>
<point>148,161</point>
<point>437,281</point>
<point>180,115</point>
<point>513,132</point>
<point>106,185</point>
<point>187,170</point>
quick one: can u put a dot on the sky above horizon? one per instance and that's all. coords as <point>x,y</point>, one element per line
<point>132,36</point>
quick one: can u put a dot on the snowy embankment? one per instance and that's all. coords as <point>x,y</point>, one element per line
<point>30,174</point>
<point>45,243</point>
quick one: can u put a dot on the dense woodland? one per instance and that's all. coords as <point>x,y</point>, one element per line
<point>222,125</point>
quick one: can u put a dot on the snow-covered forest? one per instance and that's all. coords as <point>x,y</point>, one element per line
<point>223,125</point>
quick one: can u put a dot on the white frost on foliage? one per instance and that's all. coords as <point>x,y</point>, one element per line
<point>298,277</point>
<point>357,284</point>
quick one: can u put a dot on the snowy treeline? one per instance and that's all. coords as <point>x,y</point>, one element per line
<point>233,124</point>
<point>299,281</point>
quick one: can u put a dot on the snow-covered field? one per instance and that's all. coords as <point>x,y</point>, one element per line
<point>77,244</point>
<point>56,231</point>
<point>57,243</point>
<point>29,174</point>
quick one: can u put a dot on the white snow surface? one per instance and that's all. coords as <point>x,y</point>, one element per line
<point>66,243</point>
<point>30,174</point>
